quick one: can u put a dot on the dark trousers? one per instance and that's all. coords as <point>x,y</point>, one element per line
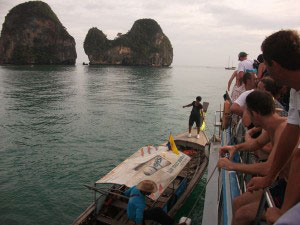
<point>158,215</point>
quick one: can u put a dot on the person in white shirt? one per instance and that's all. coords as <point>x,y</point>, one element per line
<point>245,65</point>
<point>249,83</point>
<point>281,52</point>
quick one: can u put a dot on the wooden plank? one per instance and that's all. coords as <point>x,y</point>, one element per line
<point>124,219</point>
<point>107,220</point>
<point>119,204</point>
<point>84,215</point>
<point>111,221</point>
<point>164,199</point>
<point>120,214</point>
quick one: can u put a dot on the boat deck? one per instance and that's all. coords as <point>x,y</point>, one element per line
<point>203,140</point>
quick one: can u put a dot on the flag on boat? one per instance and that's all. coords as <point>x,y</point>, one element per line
<point>173,145</point>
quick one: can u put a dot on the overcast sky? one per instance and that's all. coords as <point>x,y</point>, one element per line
<point>203,32</point>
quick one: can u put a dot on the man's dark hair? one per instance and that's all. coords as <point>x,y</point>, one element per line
<point>199,98</point>
<point>260,102</point>
<point>284,48</point>
<point>246,76</point>
<point>271,86</point>
<point>260,58</point>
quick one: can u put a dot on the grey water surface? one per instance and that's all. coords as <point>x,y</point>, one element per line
<point>65,126</point>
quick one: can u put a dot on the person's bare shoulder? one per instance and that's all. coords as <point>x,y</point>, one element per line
<point>280,128</point>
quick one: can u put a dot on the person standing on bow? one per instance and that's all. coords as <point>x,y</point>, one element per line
<point>196,115</point>
<point>136,209</point>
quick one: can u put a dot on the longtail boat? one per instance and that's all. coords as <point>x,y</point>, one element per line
<point>176,175</point>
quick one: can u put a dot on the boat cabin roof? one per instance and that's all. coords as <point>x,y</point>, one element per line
<point>148,163</point>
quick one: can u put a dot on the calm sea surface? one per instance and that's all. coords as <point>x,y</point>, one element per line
<point>62,127</point>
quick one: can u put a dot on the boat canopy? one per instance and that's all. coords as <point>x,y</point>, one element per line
<point>148,163</point>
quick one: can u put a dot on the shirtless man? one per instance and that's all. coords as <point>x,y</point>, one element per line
<point>260,107</point>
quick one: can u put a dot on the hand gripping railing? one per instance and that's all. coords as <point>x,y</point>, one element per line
<point>266,197</point>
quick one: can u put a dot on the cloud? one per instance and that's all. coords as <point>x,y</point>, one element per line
<point>253,18</point>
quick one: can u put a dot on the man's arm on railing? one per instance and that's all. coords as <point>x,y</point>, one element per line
<point>251,145</point>
<point>255,168</point>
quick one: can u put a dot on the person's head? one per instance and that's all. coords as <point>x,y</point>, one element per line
<point>260,105</point>
<point>147,187</point>
<point>281,52</point>
<point>225,97</point>
<point>198,98</point>
<point>269,85</point>
<point>242,56</point>
<point>249,81</point>
<point>260,58</point>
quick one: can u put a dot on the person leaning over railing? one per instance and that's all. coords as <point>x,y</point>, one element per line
<point>281,52</point>
<point>260,106</point>
<point>266,84</point>
<point>249,83</point>
<point>226,117</point>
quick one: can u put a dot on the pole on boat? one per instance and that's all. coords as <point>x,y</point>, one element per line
<point>95,200</point>
<point>105,192</point>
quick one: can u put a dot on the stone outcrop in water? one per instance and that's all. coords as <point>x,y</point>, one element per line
<point>144,45</point>
<point>32,34</point>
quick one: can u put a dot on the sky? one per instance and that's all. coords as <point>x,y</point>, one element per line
<point>202,32</point>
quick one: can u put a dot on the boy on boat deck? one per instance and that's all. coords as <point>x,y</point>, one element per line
<point>196,115</point>
<point>137,204</point>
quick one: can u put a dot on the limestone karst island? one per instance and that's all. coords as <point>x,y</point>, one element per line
<point>145,44</point>
<point>32,34</point>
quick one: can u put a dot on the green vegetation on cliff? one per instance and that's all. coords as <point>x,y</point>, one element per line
<point>141,37</point>
<point>33,34</point>
<point>95,41</point>
<point>22,15</point>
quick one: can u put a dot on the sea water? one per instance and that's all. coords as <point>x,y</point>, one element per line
<point>65,126</point>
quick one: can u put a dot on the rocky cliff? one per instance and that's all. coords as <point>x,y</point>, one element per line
<point>32,34</point>
<point>144,45</point>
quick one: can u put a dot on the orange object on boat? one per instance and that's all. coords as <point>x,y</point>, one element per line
<point>190,152</point>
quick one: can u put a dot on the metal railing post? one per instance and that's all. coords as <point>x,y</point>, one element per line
<point>260,209</point>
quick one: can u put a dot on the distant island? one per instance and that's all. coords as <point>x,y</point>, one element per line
<point>32,34</point>
<point>144,44</point>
